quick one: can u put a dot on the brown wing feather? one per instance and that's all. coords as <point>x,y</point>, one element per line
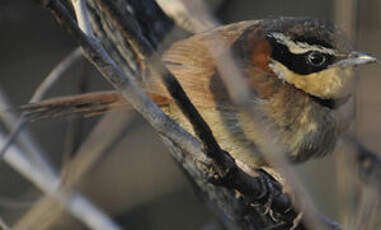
<point>193,65</point>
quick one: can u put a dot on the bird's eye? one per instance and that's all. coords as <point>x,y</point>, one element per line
<point>316,59</point>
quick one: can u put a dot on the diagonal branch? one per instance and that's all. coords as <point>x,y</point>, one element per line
<point>85,158</point>
<point>73,201</point>
<point>95,52</point>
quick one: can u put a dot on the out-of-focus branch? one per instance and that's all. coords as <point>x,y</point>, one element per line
<point>43,88</point>
<point>90,151</point>
<point>182,11</point>
<point>356,154</point>
<point>345,16</point>
<point>35,167</point>
<point>74,202</point>
<point>368,162</point>
<point>82,17</point>
<point>3,225</point>
<point>33,152</point>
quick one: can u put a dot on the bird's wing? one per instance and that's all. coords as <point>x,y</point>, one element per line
<point>190,60</point>
<point>194,66</point>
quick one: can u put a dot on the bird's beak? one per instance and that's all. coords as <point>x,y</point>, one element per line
<point>357,58</point>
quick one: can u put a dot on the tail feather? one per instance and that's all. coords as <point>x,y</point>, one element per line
<point>84,105</point>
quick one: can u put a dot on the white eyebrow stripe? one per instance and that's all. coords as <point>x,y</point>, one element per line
<point>300,47</point>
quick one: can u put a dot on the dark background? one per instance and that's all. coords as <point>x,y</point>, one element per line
<point>31,44</point>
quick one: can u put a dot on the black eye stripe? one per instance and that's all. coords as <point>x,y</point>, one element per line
<point>296,62</point>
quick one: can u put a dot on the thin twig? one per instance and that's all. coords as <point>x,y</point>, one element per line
<point>78,205</point>
<point>368,210</point>
<point>56,74</point>
<point>33,152</point>
<point>88,154</point>
<point>3,225</point>
<point>46,179</point>
<point>368,162</point>
<point>345,16</point>
<point>43,88</point>
<point>182,12</point>
<point>82,17</point>
<point>74,127</point>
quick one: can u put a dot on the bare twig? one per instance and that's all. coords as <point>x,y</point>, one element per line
<point>91,150</point>
<point>74,127</point>
<point>3,225</point>
<point>56,74</point>
<point>45,177</point>
<point>33,152</point>
<point>53,76</point>
<point>345,15</point>
<point>368,162</point>
<point>183,13</point>
<point>78,206</point>
<point>368,210</point>
<point>82,17</point>
<point>88,154</point>
<point>41,215</point>
<point>36,168</point>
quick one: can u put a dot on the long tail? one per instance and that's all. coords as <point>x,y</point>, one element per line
<point>83,105</point>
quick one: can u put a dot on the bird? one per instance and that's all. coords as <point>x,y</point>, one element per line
<point>301,76</point>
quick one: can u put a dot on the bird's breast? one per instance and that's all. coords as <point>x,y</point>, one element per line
<point>306,127</point>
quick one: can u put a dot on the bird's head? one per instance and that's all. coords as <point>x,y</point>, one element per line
<point>312,55</point>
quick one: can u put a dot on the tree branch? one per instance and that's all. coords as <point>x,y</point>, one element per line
<point>89,153</point>
<point>78,205</point>
<point>40,92</point>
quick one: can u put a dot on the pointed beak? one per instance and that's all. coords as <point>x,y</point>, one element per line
<point>358,58</point>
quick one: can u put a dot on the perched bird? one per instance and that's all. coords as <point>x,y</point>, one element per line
<point>300,72</point>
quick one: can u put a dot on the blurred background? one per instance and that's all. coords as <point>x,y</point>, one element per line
<point>160,197</point>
